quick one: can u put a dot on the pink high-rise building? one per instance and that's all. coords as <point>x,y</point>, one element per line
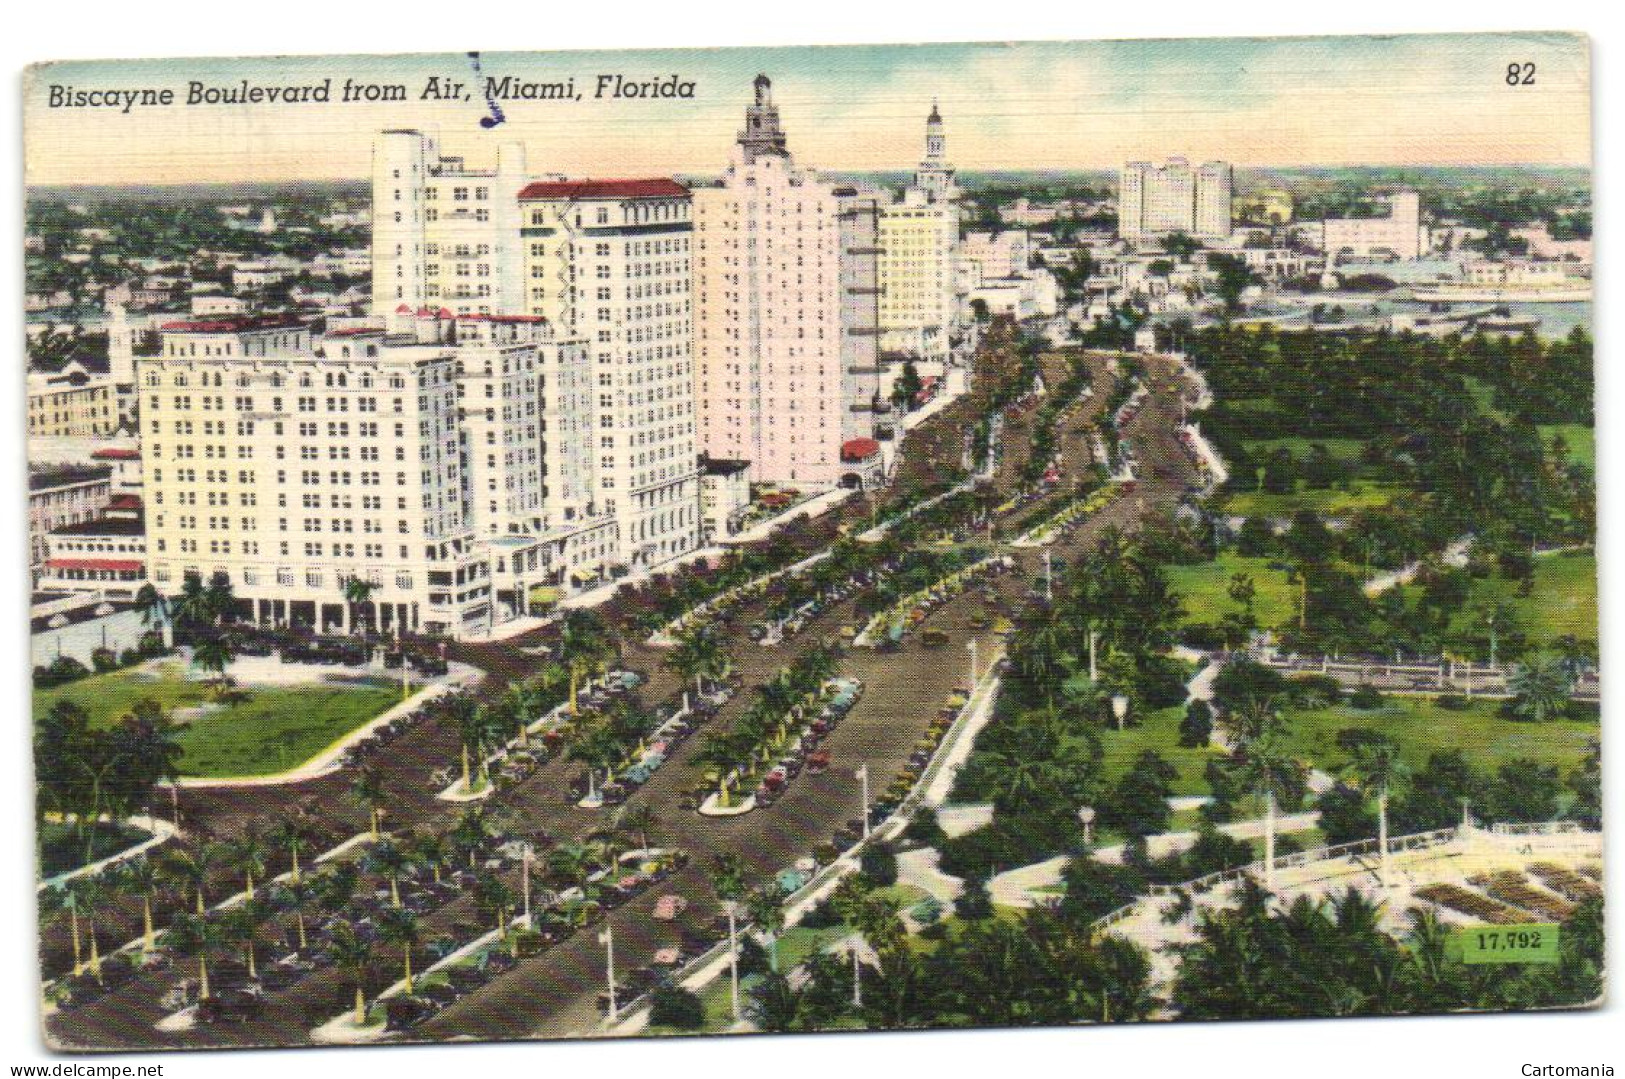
<point>786,311</point>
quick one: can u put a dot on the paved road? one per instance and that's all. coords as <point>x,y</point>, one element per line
<point>554,994</point>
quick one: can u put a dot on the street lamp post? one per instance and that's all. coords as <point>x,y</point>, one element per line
<point>862,775</point>
<point>607,939</point>
<point>524,869</point>
<point>732,908</point>
<point>857,977</point>
<point>1049,583</point>
<point>971,648</point>
<point>1120,709</point>
<point>1087,816</point>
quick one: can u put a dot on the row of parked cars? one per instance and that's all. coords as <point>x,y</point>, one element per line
<point>840,698</point>
<point>560,917</point>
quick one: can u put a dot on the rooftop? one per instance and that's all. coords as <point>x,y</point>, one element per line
<point>104,526</point>
<point>44,478</point>
<point>723,466</point>
<point>659,187</point>
<point>244,324</point>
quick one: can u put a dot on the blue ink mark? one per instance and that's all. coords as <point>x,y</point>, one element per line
<point>496,117</point>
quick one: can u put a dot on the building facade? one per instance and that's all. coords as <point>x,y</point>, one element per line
<point>293,466</point>
<point>1155,201</point>
<point>787,319</point>
<point>1398,235</point>
<point>64,495</point>
<point>919,235</point>
<point>444,235</point>
<point>609,262</point>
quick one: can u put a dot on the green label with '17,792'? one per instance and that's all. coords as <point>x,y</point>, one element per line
<point>1534,942</point>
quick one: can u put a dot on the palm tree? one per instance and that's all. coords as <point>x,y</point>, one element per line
<point>430,849</point>
<point>243,925</point>
<point>335,887</point>
<point>153,606</point>
<point>297,897</point>
<point>192,605</point>
<point>522,703</point>
<point>1379,768</point>
<point>765,909</point>
<point>718,751</point>
<point>368,789</point>
<point>597,747</point>
<point>194,935</point>
<point>571,863</point>
<point>582,647</point>
<point>472,725</point>
<point>291,835</point>
<point>1268,768</point>
<point>357,592</point>
<point>189,872</point>
<point>141,877</point>
<point>54,905</point>
<point>247,854</point>
<point>214,653</point>
<point>727,878</point>
<point>1540,687</point>
<point>471,832</point>
<point>495,898</point>
<point>638,819</point>
<point>393,862</point>
<point>399,928</point>
<point>352,956</point>
<point>218,597</point>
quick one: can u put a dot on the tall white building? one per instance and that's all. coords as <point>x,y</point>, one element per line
<point>919,235</point>
<point>787,313</point>
<point>444,235</point>
<point>292,466</point>
<point>609,262</point>
<point>1155,201</point>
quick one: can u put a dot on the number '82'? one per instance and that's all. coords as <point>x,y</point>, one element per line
<point>1521,74</point>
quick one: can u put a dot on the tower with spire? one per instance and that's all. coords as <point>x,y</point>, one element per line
<point>762,135</point>
<point>935,176</point>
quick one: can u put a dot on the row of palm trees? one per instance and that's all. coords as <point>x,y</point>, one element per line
<point>767,723</point>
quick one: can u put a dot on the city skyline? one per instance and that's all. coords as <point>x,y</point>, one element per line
<point>1437,100</point>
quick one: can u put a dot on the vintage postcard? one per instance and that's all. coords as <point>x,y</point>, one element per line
<point>545,545</point>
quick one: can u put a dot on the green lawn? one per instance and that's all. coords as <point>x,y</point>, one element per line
<point>1204,589</point>
<point>1160,733</point>
<point>1582,441</point>
<point>1362,494</point>
<point>1562,602</point>
<point>1340,449</point>
<point>271,730</point>
<point>1419,727</point>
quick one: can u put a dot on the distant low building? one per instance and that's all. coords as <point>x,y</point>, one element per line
<point>1399,235</point>
<point>71,403</point>
<point>63,495</point>
<point>724,497</point>
<point>106,555</point>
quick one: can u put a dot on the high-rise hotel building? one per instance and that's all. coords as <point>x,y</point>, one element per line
<point>787,310</point>
<point>292,466</point>
<point>444,235</point>
<point>417,459</point>
<point>919,234</point>
<point>1157,201</point>
<point>608,262</point>
<point>607,265</point>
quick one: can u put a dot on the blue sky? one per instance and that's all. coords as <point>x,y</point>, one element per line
<point>1416,100</point>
